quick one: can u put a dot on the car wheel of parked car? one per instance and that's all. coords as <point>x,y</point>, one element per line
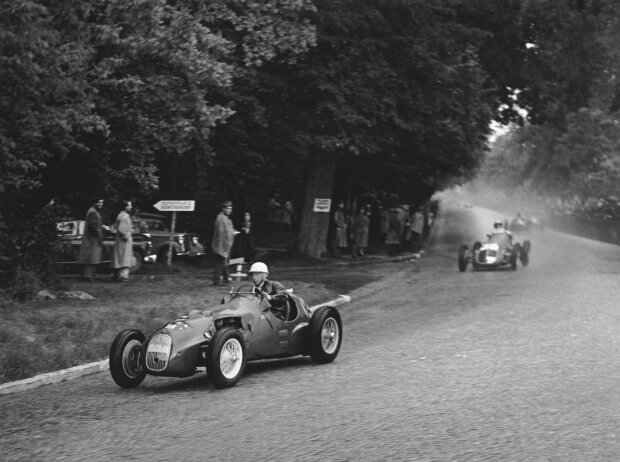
<point>126,359</point>
<point>325,335</point>
<point>226,357</point>
<point>162,254</point>
<point>138,261</point>
<point>463,258</point>
<point>516,250</point>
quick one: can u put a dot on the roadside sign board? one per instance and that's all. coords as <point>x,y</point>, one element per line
<point>175,206</point>
<point>322,205</point>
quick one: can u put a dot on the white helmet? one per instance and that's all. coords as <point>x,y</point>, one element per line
<point>258,267</point>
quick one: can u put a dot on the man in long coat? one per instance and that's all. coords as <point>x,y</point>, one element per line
<point>223,239</point>
<point>90,249</point>
<point>339,235</point>
<point>360,232</point>
<point>122,255</point>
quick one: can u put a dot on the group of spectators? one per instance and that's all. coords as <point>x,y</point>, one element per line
<point>92,246</point>
<point>401,227</point>
<point>280,213</point>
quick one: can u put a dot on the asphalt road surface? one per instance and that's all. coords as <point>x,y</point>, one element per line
<point>436,365</point>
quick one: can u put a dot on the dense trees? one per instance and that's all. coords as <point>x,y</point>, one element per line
<point>151,99</point>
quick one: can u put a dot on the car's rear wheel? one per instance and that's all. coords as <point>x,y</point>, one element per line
<point>516,250</point>
<point>525,253</point>
<point>325,335</point>
<point>226,357</point>
<point>126,359</point>
<point>137,262</point>
<point>463,258</point>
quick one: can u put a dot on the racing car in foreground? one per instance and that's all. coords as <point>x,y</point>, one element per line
<point>220,339</point>
<point>497,251</point>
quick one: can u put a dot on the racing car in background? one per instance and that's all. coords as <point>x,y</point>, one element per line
<point>496,252</point>
<point>220,339</point>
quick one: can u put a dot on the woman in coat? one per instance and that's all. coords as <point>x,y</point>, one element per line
<point>122,255</point>
<point>90,249</point>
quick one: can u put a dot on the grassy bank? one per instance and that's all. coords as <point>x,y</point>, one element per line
<point>47,335</point>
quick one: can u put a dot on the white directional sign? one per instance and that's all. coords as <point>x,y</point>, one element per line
<point>322,205</point>
<point>175,206</point>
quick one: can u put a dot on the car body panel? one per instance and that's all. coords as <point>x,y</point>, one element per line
<point>496,251</point>
<point>265,335</point>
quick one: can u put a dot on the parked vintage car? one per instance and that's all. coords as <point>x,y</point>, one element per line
<point>496,252</point>
<point>71,232</point>
<point>184,245</point>
<point>220,339</point>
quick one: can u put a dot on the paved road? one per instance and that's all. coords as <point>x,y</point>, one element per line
<point>436,365</point>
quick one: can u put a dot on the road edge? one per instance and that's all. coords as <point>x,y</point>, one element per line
<point>92,368</point>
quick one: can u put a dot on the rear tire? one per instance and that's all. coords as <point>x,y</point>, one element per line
<point>127,359</point>
<point>525,253</point>
<point>226,357</point>
<point>463,258</point>
<point>325,335</point>
<point>516,250</point>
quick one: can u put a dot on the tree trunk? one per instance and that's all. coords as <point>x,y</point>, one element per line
<point>319,185</point>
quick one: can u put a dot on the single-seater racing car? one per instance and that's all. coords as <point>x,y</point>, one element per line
<point>497,251</point>
<point>220,340</point>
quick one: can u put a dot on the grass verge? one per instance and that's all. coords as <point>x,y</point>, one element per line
<point>48,335</point>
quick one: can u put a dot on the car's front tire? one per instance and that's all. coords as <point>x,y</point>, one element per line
<point>463,258</point>
<point>226,357</point>
<point>126,359</point>
<point>325,335</point>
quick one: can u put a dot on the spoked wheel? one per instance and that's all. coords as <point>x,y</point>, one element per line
<point>326,335</point>
<point>126,359</point>
<point>516,250</point>
<point>463,258</point>
<point>226,358</point>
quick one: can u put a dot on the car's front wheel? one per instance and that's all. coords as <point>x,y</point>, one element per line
<point>463,258</point>
<point>325,335</point>
<point>126,359</point>
<point>226,357</point>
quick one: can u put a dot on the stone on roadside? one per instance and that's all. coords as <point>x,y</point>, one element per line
<point>45,295</point>
<point>77,295</point>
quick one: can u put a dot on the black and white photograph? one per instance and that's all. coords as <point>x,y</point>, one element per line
<point>310,230</point>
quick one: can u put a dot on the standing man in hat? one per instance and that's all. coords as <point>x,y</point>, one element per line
<point>223,238</point>
<point>90,249</point>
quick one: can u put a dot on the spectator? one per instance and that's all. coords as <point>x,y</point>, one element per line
<point>339,235</point>
<point>223,238</point>
<point>274,206</point>
<point>138,223</point>
<point>360,232</point>
<point>122,255</point>
<point>246,239</point>
<point>90,249</point>
<point>287,215</point>
<point>417,229</point>
<point>384,221</point>
<point>394,233</point>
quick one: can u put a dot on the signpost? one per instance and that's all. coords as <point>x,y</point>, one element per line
<point>174,207</point>
<point>322,205</point>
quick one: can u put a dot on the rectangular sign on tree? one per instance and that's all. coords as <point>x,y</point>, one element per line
<point>322,205</point>
<point>175,206</point>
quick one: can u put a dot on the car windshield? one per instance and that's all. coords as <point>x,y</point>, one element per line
<point>499,238</point>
